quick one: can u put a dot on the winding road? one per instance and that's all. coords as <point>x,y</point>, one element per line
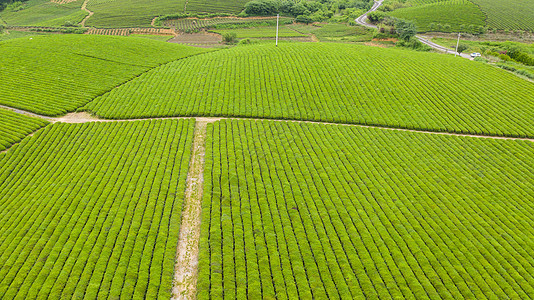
<point>90,13</point>
<point>362,20</point>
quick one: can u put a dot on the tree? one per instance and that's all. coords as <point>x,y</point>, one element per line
<point>376,16</point>
<point>405,29</point>
<point>462,48</point>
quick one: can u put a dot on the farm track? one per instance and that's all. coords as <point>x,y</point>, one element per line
<point>186,267</point>
<point>363,18</point>
<point>83,117</point>
<point>84,8</point>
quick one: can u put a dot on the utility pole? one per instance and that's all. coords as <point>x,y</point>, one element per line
<point>277,17</point>
<point>457,43</point>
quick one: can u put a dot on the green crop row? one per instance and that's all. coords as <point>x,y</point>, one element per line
<point>302,211</point>
<point>93,210</point>
<point>14,127</point>
<point>185,24</point>
<point>261,32</point>
<point>334,83</point>
<point>51,75</point>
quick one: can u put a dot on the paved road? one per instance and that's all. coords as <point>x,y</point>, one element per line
<point>362,20</point>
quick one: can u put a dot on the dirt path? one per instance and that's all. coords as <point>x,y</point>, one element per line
<point>83,117</point>
<point>186,267</point>
<point>84,7</point>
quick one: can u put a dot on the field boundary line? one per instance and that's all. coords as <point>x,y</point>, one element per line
<point>84,117</point>
<point>27,136</point>
<point>187,251</point>
<point>84,8</point>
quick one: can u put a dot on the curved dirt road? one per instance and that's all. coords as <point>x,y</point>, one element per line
<point>362,20</point>
<point>90,13</point>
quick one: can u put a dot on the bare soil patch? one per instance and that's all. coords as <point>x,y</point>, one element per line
<point>62,1</point>
<point>77,117</point>
<point>206,39</point>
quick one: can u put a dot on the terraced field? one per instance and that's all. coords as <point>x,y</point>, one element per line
<point>495,14</point>
<point>140,13</point>
<point>261,32</point>
<point>215,6</point>
<point>444,16</point>
<point>511,14</point>
<point>333,83</point>
<point>45,13</point>
<point>14,127</point>
<point>197,24</point>
<point>322,211</point>
<point>130,13</point>
<point>92,210</point>
<point>51,75</point>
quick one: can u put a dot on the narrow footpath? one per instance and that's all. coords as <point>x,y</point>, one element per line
<point>84,8</point>
<point>83,117</point>
<point>186,264</point>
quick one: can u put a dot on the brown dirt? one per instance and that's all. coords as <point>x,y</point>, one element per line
<point>84,7</point>
<point>202,38</point>
<point>186,267</point>
<point>375,45</point>
<point>62,1</point>
<point>386,40</point>
<point>80,117</point>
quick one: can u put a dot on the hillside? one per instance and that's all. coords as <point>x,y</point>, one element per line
<point>133,13</point>
<point>55,74</point>
<point>459,15</point>
<point>44,13</point>
<point>446,16</point>
<point>332,83</point>
<point>510,14</point>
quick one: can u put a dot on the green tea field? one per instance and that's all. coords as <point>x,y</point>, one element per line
<point>331,83</point>
<point>448,16</point>
<point>347,161</point>
<point>299,211</point>
<point>90,210</point>
<point>463,15</point>
<point>36,78</point>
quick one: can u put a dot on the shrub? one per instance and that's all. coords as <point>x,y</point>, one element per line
<point>229,38</point>
<point>376,16</point>
<point>304,19</point>
<point>261,7</point>
<point>412,43</point>
<point>246,41</point>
